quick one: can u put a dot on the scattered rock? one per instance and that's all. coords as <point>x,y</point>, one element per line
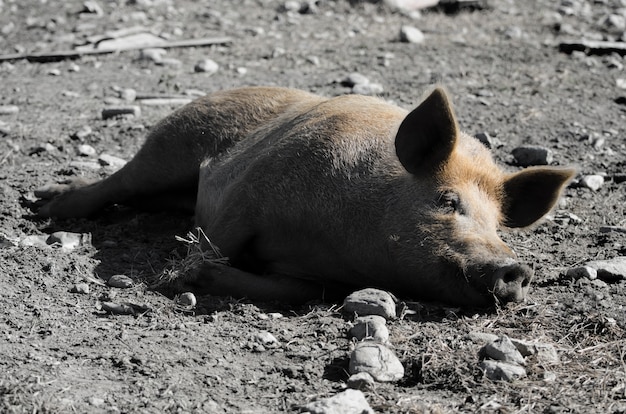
<point>545,352</point>
<point>482,337</point>
<point>346,402</point>
<point>114,111</point>
<point>207,66</point>
<point>410,5</point>
<point>120,281</point>
<point>82,133</point>
<point>528,155</point>
<point>367,89</point>
<point>86,150</point>
<point>355,79</point>
<point>610,270</point>
<point>371,302</point>
<point>82,288</point>
<point>111,161</point>
<point>371,327</point>
<point>267,339</point>
<point>361,381</point>
<point>154,55</point>
<point>9,109</point>
<point>377,360</point>
<point>128,94</point>
<point>582,272</point>
<point>593,182</point>
<point>502,371</point>
<point>186,300</point>
<point>502,349</point>
<point>411,34</point>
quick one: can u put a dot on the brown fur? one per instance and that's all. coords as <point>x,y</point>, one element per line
<point>299,191</point>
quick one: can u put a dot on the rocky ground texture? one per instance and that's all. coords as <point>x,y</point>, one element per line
<point>540,82</point>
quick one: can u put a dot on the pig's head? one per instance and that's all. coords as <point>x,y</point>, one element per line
<point>457,199</point>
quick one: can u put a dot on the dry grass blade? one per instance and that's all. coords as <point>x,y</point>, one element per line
<point>195,257</point>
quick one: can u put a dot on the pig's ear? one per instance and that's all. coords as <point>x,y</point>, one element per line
<point>427,135</point>
<point>531,193</point>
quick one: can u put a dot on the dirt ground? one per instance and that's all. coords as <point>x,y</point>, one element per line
<point>59,352</point>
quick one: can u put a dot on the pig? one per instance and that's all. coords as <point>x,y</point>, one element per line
<point>307,195</point>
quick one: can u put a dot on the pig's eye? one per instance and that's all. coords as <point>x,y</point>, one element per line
<point>449,202</point>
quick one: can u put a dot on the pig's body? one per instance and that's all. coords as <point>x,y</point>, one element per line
<point>299,190</point>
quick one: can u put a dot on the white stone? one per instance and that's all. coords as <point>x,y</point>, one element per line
<point>502,349</point>
<point>377,360</point>
<point>610,270</point>
<point>411,34</point>
<point>371,302</point>
<point>207,66</point>
<point>120,281</point>
<point>528,155</point>
<point>502,371</point>
<point>593,181</point>
<point>346,402</point>
<point>361,381</point>
<point>582,272</point>
<point>371,327</point>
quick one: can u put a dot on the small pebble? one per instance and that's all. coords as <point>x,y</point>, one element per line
<point>9,109</point>
<point>528,155</point>
<point>355,79</point>
<point>152,54</point>
<point>361,381</point>
<point>346,402</point>
<point>187,300</point>
<point>593,182</point>
<point>82,133</point>
<point>117,308</point>
<point>86,150</point>
<point>367,89</point>
<point>73,68</point>
<point>175,63</point>
<point>371,302</point>
<point>502,349</point>
<point>82,288</point>
<point>411,34</point>
<point>545,352</point>
<point>111,161</point>
<point>54,72</point>
<point>502,371</point>
<point>120,281</point>
<point>377,360</point>
<point>485,138</point>
<point>371,327</point>
<point>267,339</point>
<point>207,66</point>
<point>128,94</point>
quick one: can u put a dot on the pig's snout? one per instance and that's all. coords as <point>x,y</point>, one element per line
<point>511,282</point>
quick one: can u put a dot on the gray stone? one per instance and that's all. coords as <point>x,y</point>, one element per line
<point>111,161</point>
<point>371,302</point>
<point>120,281</point>
<point>346,402</point>
<point>361,381</point>
<point>82,288</point>
<point>371,327</point>
<point>502,371</point>
<point>528,155</point>
<point>485,139</point>
<point>612,229</point>
<point>502,349</point>
<point>354,79</point>
<point>367,89</point>
<point>582,272</point>
<point>377,360</point>
<point>114,111</point>
<point>482,337</point>
<point>545,352</point>
<point>267,339</point>
<point>411,34</point>
<point>128,94</point>
<point>86,150</point>
<point>9,109</point>
<point>207,66</point>
<point>593,181</point>
<point>186,300</point>
<point>610,270</point>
